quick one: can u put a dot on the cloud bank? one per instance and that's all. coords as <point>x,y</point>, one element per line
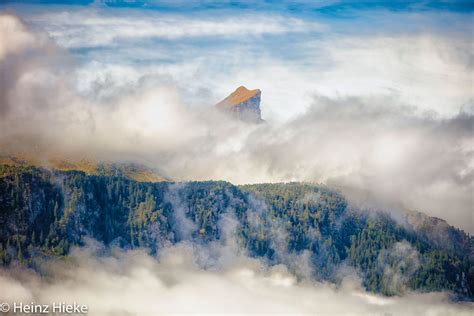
<point>134,283</point>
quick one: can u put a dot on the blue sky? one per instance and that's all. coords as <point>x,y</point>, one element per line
<point>329,6</point>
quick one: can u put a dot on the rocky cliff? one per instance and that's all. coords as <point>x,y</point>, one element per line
<point>243,104</point>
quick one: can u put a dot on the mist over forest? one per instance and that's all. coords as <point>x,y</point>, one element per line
<point>253,157</point>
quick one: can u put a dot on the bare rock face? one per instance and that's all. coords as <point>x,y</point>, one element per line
<point>243,104</point>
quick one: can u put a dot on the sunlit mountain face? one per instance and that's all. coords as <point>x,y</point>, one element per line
<point>236,157</point>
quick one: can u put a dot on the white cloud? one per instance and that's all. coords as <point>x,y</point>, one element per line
<point>95,27</point>
<point>429,71</point>
<point>289,59</point>
<point>133,283</point>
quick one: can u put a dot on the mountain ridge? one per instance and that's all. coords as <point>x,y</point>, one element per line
<point>134,171</point>
<point>45,213</point>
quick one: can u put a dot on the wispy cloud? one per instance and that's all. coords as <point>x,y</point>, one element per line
<point>90,28</point>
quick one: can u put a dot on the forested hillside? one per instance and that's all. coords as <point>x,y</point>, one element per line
<point>44,214</point>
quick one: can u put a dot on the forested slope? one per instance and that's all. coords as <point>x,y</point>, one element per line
<point>43,214</point>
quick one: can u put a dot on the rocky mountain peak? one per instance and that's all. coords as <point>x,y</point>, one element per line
<point>243,104</point>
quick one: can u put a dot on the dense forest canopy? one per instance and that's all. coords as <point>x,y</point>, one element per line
<point>45,213</point>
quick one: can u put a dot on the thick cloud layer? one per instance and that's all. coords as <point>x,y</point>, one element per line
<point>134,283</point>
<point>376,142</point>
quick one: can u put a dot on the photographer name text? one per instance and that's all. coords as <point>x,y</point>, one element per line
<point>53,308</point>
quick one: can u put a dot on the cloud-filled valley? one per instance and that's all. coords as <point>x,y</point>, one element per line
<point>176,284</point>
<point>375,102</point>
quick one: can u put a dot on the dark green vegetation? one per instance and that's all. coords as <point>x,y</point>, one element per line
<point>43,214</point>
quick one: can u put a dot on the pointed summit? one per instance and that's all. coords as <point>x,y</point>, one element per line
<point>243,104</point>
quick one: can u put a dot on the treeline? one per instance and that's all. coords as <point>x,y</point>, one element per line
<point>45,213</point>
